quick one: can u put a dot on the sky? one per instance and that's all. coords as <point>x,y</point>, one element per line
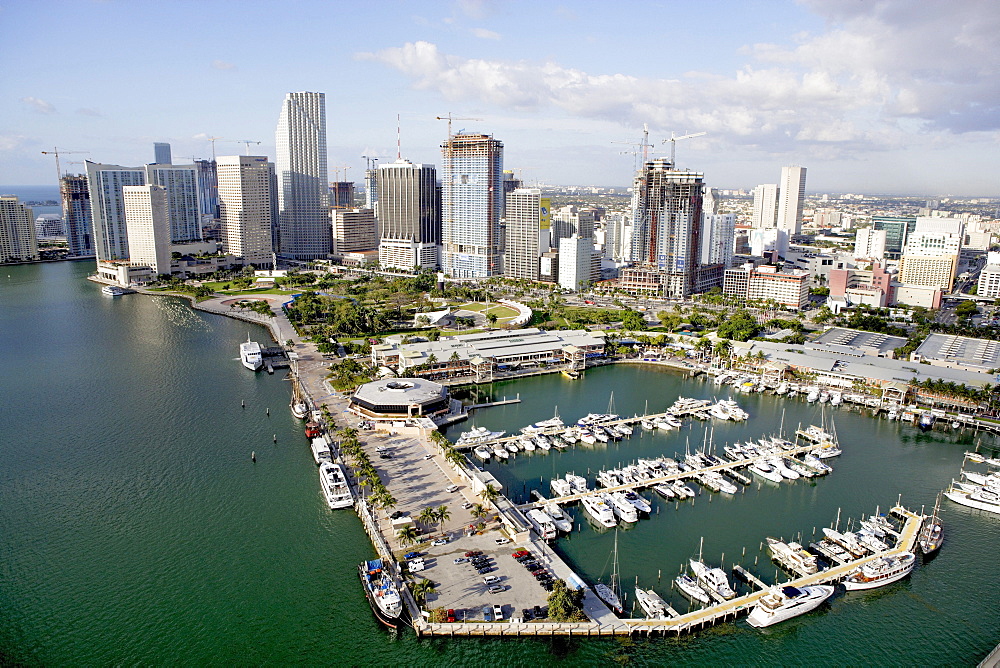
<point>872,96</point>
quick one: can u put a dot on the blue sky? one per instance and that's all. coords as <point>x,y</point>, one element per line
<point>874,96</point>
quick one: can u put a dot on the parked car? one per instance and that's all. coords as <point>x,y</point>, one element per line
<point>451,616</point>
<point>497,611</point>
<point>502,541</point>
<point>491,580</point>
<point>497,589</point>
<point>526,615</point>
<point>439,541</point>
<point>460,560</point>
<point>473,553</point>
<point>412,555</point>
<point>488,614</point>
<point>537,612</point>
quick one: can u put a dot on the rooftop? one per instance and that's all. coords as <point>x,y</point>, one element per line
<point>976,353</point>
<point>399,391</point>
<point>856,341</point>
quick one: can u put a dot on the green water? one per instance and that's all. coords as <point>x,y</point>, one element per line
<point>134,529</point>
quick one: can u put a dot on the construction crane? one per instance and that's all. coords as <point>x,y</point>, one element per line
<point>336,172</point>
<point>451,118</point>
<point>644,145</point>
<point>56,152</point>
<point>247,142</point>
<point>370,161</point>
<point>213,140</point>
<point>673,145</point>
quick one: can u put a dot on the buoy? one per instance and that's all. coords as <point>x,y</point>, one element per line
<point>243,404</point>
<point>268,411</point>
<point>253,456</point>
<point>275,438</point>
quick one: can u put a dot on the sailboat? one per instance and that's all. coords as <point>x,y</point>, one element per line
<point>298,404</point>
<point>609,594</point>
<point>932,533</point>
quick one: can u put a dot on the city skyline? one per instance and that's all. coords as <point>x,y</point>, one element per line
<point>872,98</point>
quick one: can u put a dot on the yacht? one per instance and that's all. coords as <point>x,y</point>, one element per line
<point>847,541</point>
<point>792,556</point>
<point>651,603</point>
<point>542,524</point>
<point>482,452</point>
<point>664,490</point>
<point>542,443</point>
<point>251,355</point>
<point>813,395</point>
<point>713,579</point>
<point>764,470</point>
<point>984,480</point>
<point>577,482</point>
<point>551,423</point>
<point>817,464</point>
<point>648,425</point>
<point>560,487</point>
<point>781,389</point>
<point>892,414</point>
<point>881,571</point>
<point>682,491</point>
<point>381,592</point>
<point>606,594</point>
<point>335,487</point>
<point>527,443</point>
<point>600,511</point>
<point>981,498</point>
<point>824,397</point>
<point>321,450</point>
<point>689,587</point>
<point>113,291</point>
<point>836,398</point>
<point>641,504</point>
<point>787,602</point>
<point>587,436</point>
<point>828,451</point>
<point>500,451</point>
<point>621,507</point>
<point>932,532</point>
<point>512,447</point>
<point>559,517</point>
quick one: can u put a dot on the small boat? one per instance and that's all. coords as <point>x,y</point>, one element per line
<point>813,395</point>
<point>640,504</point>
<point>251,355</point>
<point>664,490</point>
<point>651,603</point>
<point>482,452</point>
<point>689,587</point>
<point>932,533</point>
<point>880,572</point>
<point>682,491</point>
<point>713,579</point>
<point>113,291</point>
<point>511,447</point>
<point>559,517</point>
<point>381,591</point>
<point>572,374</point>
<point>764,470</point>
<point>500,451</point>
<point>980,498</point>
<point>784,603</point>
<point>926,421</point>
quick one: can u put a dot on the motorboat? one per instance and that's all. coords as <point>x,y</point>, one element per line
<point>512,447</point>
<point>682,491</point>
<point>251,355</point>
<point>784,603</point>
<point>640,504</point>
<point>648,425</point>
<point>828,451</point>
<point>482,452</point>
<point>621,507</point>
<point>778,464</point>
<point>599,511</point>
<point>527,443</point>
<point>559,517</point>
<point>321,450</point>
<point>689,587</point>
<point>500,451</point>
<point>587,436</point>
<point>816,464</point>
<point>880,572</point>
<point>983,479</point>
<point>764,470</point>
<point>560,487</point>
<point>542,523</point>
<point>651,603</point>
<point>813,395</point>
<point>381,591</point>
<point>713,579</point>
<point>113,291</point>
<point>334,485</point>
<point>981,498</point>
<point>664,490</point>
<point>824,397</point>
<point>836,398</point>
<point>847,541</point>
<point>926,421</point>
<point>577,482</point>
<point>792,556</point>
<point>721,484</point>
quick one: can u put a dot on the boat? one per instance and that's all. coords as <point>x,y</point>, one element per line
<point>113,291</point>
<point>689,587</point>
<point>648,425</point>
<point>764,470</point>
<point>926,421</point>
<point>836,398</point>
<point>892,414</point>
<point>784,603</point>
<point>664,490</point>
<point>621,507</point>
<point>813,395</point>
<point>983,480</point>
<point>251,355</point>
<point>880,572</point>
<point>500,451</point>
<point>482,452</point>
<point>781,389</point>
<point>553,422</point>
<point>816,464</point>
<point>682,491</point>
<point>792,556</point>
<point>577,482</point>
<point>559,517</point>
<point>846,540</point>
<point>980,498</point>
<point>335,487</point>
<point>572,374</point>
<point>511,447</point>
<point>641,504</point>
<point>542,523</point>
<point>587,436</point>
<point>651,603</point>
<point>599,511</point>
<point>932,533</point>
<point>713,579</point>
<point>609,593</point>
<point>297,405</point>
<point>382,594</point>
<point>321,450</point>
<point>824,397</point>
<point>560,487</point>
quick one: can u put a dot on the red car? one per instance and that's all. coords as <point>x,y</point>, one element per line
<point>520,553</point>
<point>451,615</point>
<point>473,553</point>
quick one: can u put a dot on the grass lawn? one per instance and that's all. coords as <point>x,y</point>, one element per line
<point>498,309</point>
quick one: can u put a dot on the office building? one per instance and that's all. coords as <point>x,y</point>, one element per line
<point>791,197</point>
<point>17,232</point>
<point>570,220</point>
<point>409,215</point>
<point>471,203</point>
<point>107,207</point>
<point>208,182</point>
<point>342,195</point>
<point>788,288</point>
<point>49,227</point>
<point>147,217</point>
<point>510,184</point>
<point>765,206</point>
<point>930,256</point>
<point>575,262</point>
<point>301,167</point>
<point>353,230</point>
<point>667,224</point>
<point>371,189</point>
<point>897,228</point>
<point>528,225</point>
<point>161,153</point>
<point>870,243</point>
<point>183,199</point>
<point>989,277</point>
<point>718,239</point>
<point>247,207</point>
<point>77,215</point>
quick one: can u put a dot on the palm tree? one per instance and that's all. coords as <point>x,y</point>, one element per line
<point>407,535</point>
<point>422,589</point>
<point>478,511</point>
<point>722,349</point>
<point>490,494</point>
<point>442,515</point>
<point>427,516</point>
<point>492,318</point>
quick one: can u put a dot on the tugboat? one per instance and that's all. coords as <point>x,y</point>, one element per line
<point>381,592</point>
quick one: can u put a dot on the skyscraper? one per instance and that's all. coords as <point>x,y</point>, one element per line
<point>107,207</point>
<point>353,230</point>
<point>161,153</point>
<point>76,213</point>
<point>247,206</point>
<point>528,225</point>
<point>17,231</point>
<point>471,202</point>
<point>147,217</point>
<point>570,220</point>
<point>791,197</point>
<point>303,190</point>
<point>409,215</point>
<point>765,205</point>
<point>208,181</point>
<point>667,224</point>
<point>575,262</point>
<point>183,198</point>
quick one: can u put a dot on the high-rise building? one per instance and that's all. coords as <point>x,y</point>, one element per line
<point>767,282</point>
<point>247,207</point>
<point>575,262</point>
<point>183,199</point>
<point>49,227</point>
<point>768,242</point>
<point>161,153</point>
<point>791,197</point>
<point>667,224</point>
<point>765,205</point>
<point>471,203</point>
<point>342,195</point>
<point>870,243</point>
<point>528,225</point>
<point>371,189</point>
<point>147,217</point>
<point>897,228</point>
<point>510,184</point>
<point>409,215</point>
<point>17,231</point>
<point>570,220</point>
<point>353,230</point>
<point>718,239</point>
<point>301,166</point>
<point>107,207</point>
<point>931,254</point>
<point>77,214</point>
<point>208,181</point>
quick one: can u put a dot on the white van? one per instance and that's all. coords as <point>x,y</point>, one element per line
<point>451,488</point>
<point>491,579</point>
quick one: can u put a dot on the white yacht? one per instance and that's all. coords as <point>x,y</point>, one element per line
<point>621,507</point>
<point>500,451</point>
<point>792,556</point>
<point>321,450</point>
<point>880,572</point>
<point>606,594</point>
<point>560,487</point>
<point>981,498</point>
<point>651,603</point>
<point>587,436</point>
<point>641,504</point>
<point>559,517</point>
<point>713,579</point>
<point>113,291</point>
<point>764,470</point>
<point>664,490</point>
<point>542,524</point>
<point>682,491</point>
<point>335,487</point>
<point>482,452</point>
<point>778,464</point>
<point>813,395</point>
<point>689,587</point>
<point>251,355</point>
<point>577,482</point>
<point>787,602</point>
<point>836,398</point>
<point>600,511</point>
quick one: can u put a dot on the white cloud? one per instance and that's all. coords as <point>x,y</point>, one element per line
<point>39,105</point>
<point>223,65</point>
<point>483,33</point>
<point>88,111</point>
<point>11,142</point>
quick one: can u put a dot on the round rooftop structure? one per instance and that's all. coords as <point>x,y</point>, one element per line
<point>397,398</point>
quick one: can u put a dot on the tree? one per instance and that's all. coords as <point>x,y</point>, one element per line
<point>492,318</point>
<point>422,589</point>
<point>565,604</point>
<point>490,494</point>
<point>442,514</point>
<point>478,511</point>
<point>722,349</point>
<point>633,320</point>
<point>407,535</point>
<point>427,516</point>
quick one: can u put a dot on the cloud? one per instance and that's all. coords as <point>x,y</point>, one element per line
<point>39,105</point>
<point>88,111</point>
<point>483,33</point>
<point>474,9</point>
<point>11,142</point>
<point>223,65</point>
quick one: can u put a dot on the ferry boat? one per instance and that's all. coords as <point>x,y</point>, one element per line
<point>335,487</point>
<point>787,602</point>
<point>651,603</point>
<point>251,355</point>
<point>880,572</point>
<point>382,594</point>
<point>600,511</point>
<point>113,291</point>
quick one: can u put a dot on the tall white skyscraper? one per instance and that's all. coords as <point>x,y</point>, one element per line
<point>471,202</point>
<point>791,197</point>
<point>870,243</point>
<point>409,215</point>
<point>247,206</point>
<point>148,220</point>
<point>107,207</point>
<point>528,226</point>
<point>183,198</point>
<point>303,190</point>
<point>718,239</point>
<point>765,205</point>
<point>17,231</point>
<point>576,256</point>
